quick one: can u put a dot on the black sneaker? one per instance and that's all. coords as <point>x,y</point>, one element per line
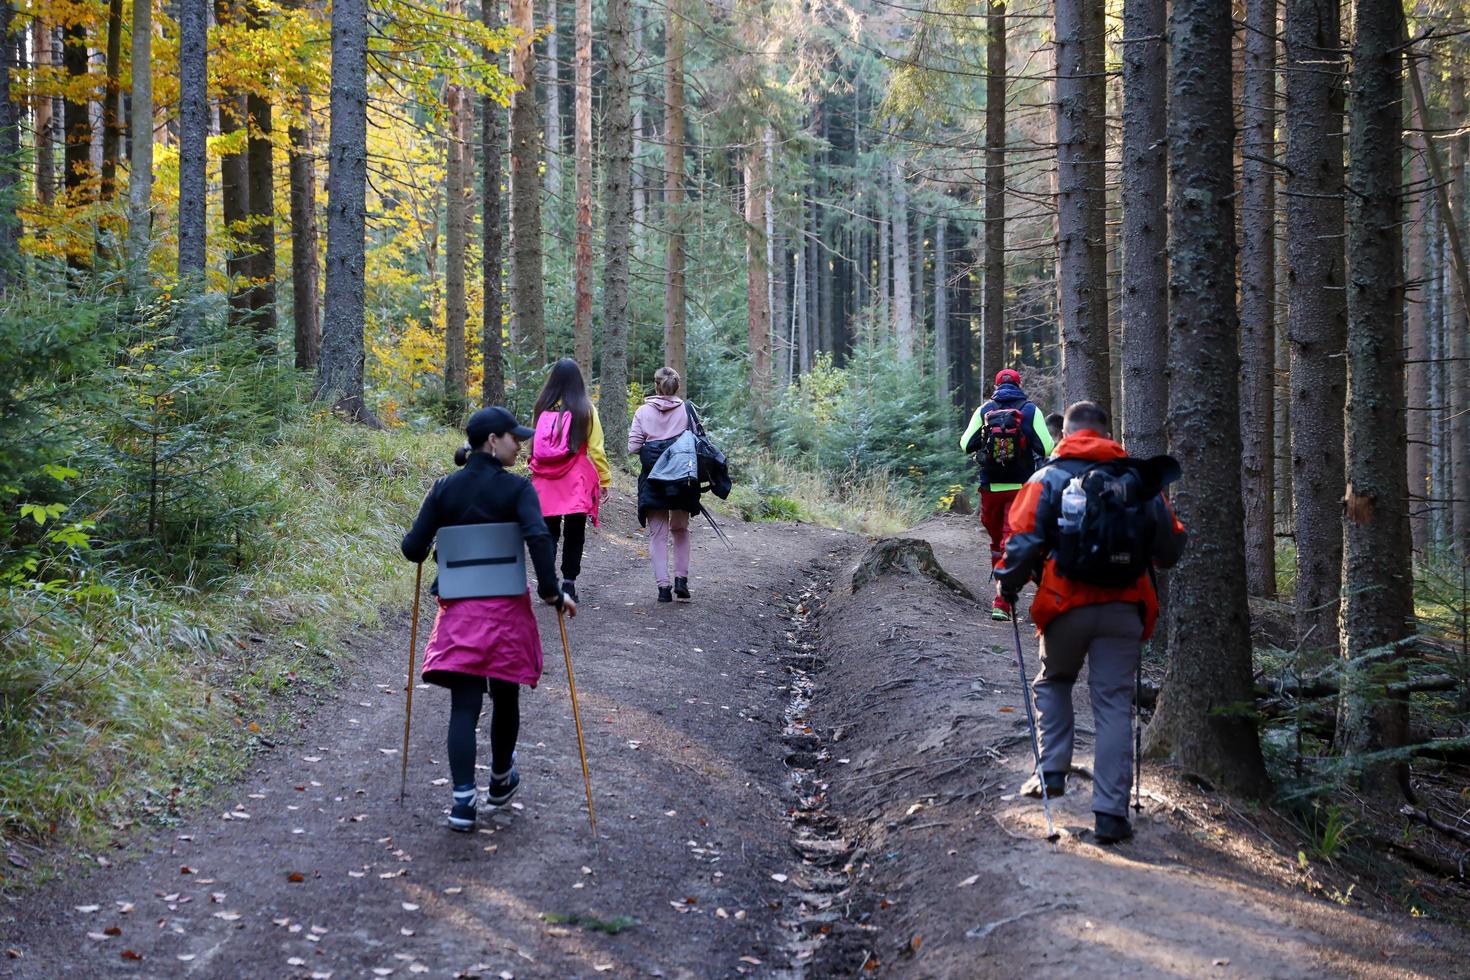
<point>1112,829</point>
<point>1056,785</point>
<point>665,594</point>
<point>462,814</point>
<point>681,588</point>
<point>502,789</point>
<point>569,588</point>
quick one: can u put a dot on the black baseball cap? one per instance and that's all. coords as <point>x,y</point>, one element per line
<point>496,421</point>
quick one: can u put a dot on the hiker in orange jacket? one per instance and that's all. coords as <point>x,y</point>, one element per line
<point>1105,625</point>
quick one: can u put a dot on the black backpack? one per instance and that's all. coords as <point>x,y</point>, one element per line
<point>1007,448</point>
<point>1105,523</point>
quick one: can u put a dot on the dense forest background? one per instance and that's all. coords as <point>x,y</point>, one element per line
<point>246,248</point>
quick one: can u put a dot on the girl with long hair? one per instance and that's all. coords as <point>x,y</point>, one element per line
<point>568,463</point>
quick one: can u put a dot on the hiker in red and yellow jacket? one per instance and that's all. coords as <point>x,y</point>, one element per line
<point>1011,439</point>
<point>1104,624</point>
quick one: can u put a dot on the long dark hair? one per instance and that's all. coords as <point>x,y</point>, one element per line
<point>565,387</point>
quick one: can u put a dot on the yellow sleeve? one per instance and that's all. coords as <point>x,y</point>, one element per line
<point>596,451</point>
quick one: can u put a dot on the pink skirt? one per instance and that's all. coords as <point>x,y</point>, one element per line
<point>484,638</point>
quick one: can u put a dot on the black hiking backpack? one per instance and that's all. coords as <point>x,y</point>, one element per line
<point>1105,523</point>
<point>1007,445</point>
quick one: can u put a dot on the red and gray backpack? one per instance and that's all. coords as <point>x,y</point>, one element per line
<point>1006,444</point>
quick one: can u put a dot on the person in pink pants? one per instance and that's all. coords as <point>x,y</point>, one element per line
<point>661,418</point>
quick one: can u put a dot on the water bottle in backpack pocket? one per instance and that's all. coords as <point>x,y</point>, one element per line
<point>1105,527</point>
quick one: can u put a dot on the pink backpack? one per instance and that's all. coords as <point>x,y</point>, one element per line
<point>552,442</point>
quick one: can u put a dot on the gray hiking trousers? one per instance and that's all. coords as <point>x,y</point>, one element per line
<point>1109,637</point>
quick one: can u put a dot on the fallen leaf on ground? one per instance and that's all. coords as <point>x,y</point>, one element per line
<point>453,890</point>
<point>227,916</point>
<point>96,936</point>
<point>356,874</point>
<point>185,957</point>
<point>311,758</point>
<point>405,931</point>
<point>602,967</point>
<point>87,908</point>
<point>410,907</point>
<point>417,968</point>
<point>778,877</point>
<point>295,877</point>
<point>113,931</point>
<point>295,961</point>
<point>969,881</point>
<point>751,960</point>
<point>186,870</point>
<point>383,971</point>
<point>129,954</point>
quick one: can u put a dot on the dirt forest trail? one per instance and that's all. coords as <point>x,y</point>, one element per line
<point>791,780</point>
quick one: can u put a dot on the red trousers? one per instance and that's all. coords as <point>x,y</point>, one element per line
<point>995,506</point>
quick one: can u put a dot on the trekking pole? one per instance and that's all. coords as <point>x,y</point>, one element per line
<point>566,648</point>
<point>1051,832</point>
<point>1138,737</point>
<point>413,645</point>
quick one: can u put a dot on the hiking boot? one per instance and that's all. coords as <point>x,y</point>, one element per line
<point>1000,610</point>
<point>1112,829</point>
<point>462,814</point>
<point>681,587</point>
<point>665,594</point>
<point>502,788</point>
<point>1056,785</point>
<point>569,589</point>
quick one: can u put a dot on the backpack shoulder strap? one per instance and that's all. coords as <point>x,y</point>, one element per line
<point>695,425</point>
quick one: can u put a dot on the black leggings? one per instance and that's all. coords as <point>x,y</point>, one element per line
<point>571,555</point>
<point>466,698</point>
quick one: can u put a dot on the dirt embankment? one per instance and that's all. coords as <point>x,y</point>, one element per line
<point>923,746</point>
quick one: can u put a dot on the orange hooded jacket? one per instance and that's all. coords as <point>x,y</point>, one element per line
<point>1035,510</point>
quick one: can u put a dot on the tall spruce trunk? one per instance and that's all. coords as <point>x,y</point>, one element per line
<point>1457,330</point>
<point>1144,299</point>
<point>1258,296</point>
<point>992,332</point>
<point>944,383</point>
<point>675,302</point>
<point>340,377</point>
<point>582,258</point>
<point>42,56</point>
<point>757,302</point>
<point>140,171</point>
<point>1378,579</point>
<point>1419,404</point>
<point>112,119</point>
<point>1204,723</point>
<point>551,78</point>
<point>260,173</point>
<point>456,233</point>
<point>193,157</point>
<point>528,299</point>
<point>1082,288</point>
<point>618,202</point>
<point>305,262</point>
<point>76,116</point>
<point>903,296</point>
<point>492,220</point>
<point>10,113</point>
<point>1317,314</point>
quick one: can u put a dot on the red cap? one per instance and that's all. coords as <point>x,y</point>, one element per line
<point>1007,376</point>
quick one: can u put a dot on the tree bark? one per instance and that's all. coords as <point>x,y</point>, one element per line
<point>235,187</point>
<point>76,116</point>
<point>1209,637</point>
<point>992,332</point>
<point>1457,330</point>
<point>618,202</point>
<point>193,157</point>
<point>1317,314</point>
<point>305,264</point>
<point>582,315</point>
<point>903,297</point>
<point>944,384</point>
<point>1081,202</point>
<point>456,229</point>
<point>528,299</point>
<point>1258,296</point>
<point>492,219</point>
<point>112,121</point>
<point>552,80</point>
<point>1417,409</point>
<point>41,49</point>
<point>10,113</point>
<point>757,309</point>
<point>260,173</point>
<point>674,298</point>
<point>340,378</point>
<point>1378,580</point>
<point>1145,296</point>
<point>140,172</point>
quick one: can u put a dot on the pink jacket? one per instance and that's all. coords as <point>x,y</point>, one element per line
<point>659,417</point>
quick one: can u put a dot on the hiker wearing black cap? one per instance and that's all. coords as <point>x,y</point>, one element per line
<point>481,644</point>
<point>1011,438</point>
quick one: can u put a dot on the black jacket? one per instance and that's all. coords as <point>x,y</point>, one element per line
<point>484,492</point>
